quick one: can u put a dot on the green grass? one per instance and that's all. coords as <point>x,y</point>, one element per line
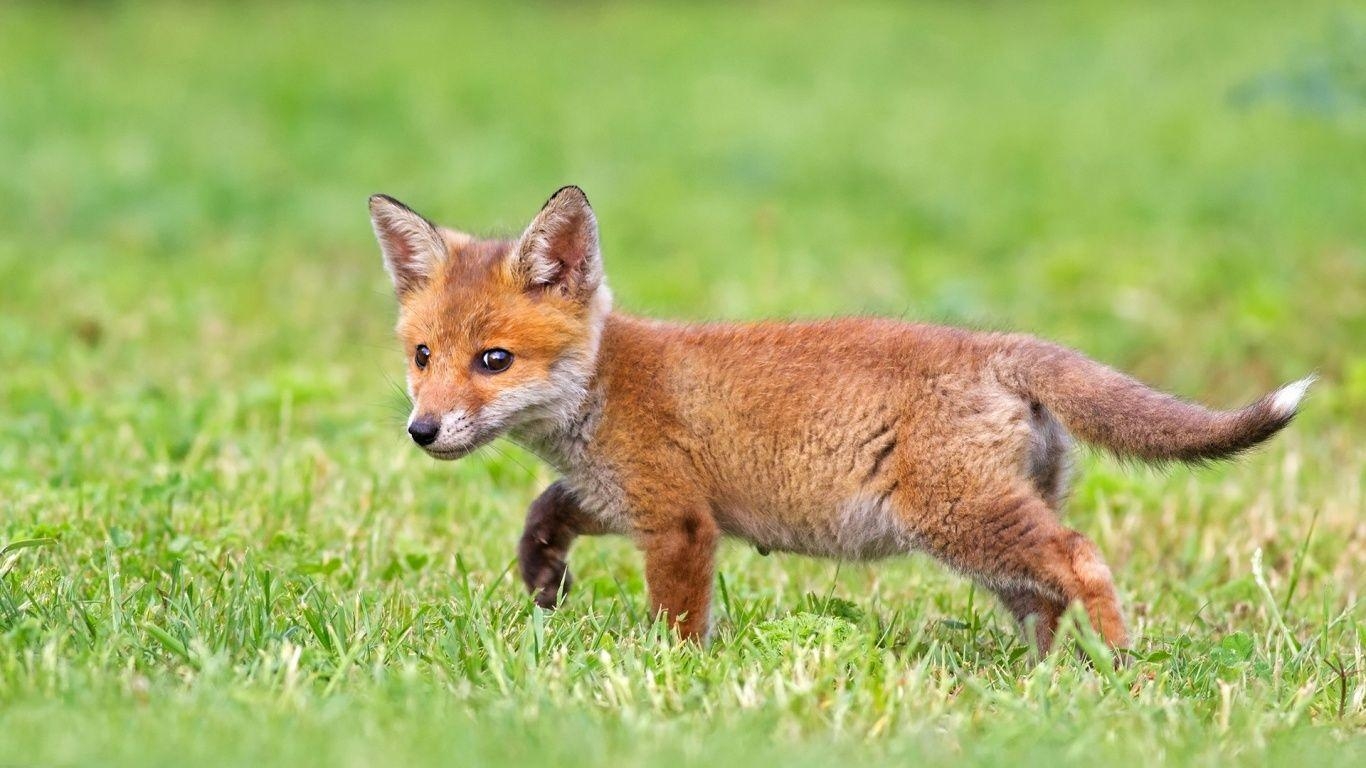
<point>218,546</point>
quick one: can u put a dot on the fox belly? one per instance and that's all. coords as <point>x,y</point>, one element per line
<point>868,528</point>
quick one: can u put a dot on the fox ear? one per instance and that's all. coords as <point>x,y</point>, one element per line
<point>559,250</point>
<point>412,246</point>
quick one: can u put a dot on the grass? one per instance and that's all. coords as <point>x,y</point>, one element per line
<point>217,547</point>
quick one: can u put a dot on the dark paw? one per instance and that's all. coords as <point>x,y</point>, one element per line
<point>544,572</point>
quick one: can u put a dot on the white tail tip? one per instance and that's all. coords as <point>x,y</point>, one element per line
<point>1287,399</point>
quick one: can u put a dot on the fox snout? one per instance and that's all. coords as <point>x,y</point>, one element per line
<point>450,435</point>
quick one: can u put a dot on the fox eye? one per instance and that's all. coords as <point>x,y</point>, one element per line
<point>495,360</point>
<point>421,356</point>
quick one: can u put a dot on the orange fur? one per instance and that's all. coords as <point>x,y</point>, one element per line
<point>853,438</point>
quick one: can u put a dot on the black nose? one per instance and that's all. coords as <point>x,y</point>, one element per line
<point>424,431</point>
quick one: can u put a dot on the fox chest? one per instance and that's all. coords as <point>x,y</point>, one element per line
<point>600,495</point>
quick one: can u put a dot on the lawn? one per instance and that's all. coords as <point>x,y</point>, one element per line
<point>218,546</point>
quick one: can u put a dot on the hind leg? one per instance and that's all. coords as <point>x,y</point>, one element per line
<point>1016,545</point>
<point>1033,611</point>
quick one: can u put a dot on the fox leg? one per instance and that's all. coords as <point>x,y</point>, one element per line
<point>680,562</point>
<point>1017,546</point>
<point>553,521</point>
<point>1028,605</point>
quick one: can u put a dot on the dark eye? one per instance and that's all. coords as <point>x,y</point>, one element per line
<point>421,356</point>
<point>495,360</point>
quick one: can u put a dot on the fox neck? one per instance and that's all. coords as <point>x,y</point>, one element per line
<point>560,431</point>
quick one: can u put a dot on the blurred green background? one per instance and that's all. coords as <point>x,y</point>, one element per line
<point>198,386</point>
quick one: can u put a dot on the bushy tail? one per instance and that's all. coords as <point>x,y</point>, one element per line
<point>1103,406</point>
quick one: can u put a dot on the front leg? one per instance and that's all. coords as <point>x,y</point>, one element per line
<point>553,521</point>
<point>680,555</point>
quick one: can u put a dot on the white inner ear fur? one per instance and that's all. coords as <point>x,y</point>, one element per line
<point>412,247</point>
<point>534,262</point>
<point>561,245</point>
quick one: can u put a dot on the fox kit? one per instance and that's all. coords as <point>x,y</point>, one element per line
<point>853,439</point>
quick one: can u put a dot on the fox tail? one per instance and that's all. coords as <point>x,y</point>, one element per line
<point>1110,409</point>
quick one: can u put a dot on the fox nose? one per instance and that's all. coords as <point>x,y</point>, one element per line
<point>424,431</point>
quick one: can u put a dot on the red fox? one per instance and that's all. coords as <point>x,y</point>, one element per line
<point>853,438</point>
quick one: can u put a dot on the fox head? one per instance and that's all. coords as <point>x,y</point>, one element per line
<point>498,334</point>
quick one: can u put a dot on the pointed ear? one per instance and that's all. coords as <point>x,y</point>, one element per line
<point>560,248</point>
<point>412,246</point>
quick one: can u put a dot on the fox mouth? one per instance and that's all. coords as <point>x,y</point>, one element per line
<point>460,452</point>
<point>451,454</point>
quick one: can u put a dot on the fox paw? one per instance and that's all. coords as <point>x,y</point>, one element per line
<point>544,571</point>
